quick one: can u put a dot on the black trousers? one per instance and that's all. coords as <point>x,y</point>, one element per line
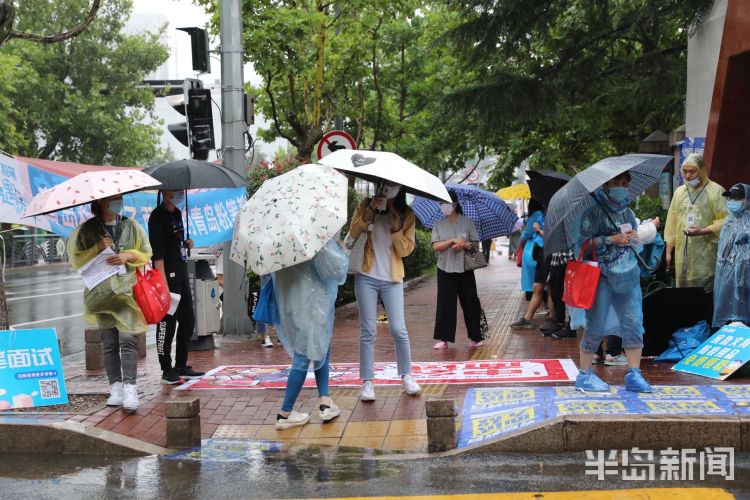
<point>464,286</point>
<point>486,248</point>
<point>165,330</point>
<point>556,286</point>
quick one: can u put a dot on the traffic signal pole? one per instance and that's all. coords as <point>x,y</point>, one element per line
<point>235,319</point>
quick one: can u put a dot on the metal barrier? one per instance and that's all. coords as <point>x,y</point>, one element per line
<point>31,249</point>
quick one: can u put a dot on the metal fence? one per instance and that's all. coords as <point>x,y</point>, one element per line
<point>30,249</point>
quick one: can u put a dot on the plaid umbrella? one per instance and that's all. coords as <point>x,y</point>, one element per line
<point>572,200</point>
<point>490,214</point>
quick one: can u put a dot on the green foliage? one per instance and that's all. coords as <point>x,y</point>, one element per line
<point>648,207</point>
<point>79,100</point>
<point>422,258</point>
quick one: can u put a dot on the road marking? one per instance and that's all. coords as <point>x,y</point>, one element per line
<point>45,320</point>
<point>627,494</point>
<point>47,288</point>
<point>47,295</point>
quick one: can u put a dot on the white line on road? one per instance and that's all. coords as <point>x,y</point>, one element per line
<point>45,320</point>
<point>47,288</point>
<point>47,295</point>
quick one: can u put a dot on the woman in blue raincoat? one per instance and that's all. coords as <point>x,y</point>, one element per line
<point>611,226</point>
<point>732,281</point>
<point>305,296</point>
<point>529,238</point>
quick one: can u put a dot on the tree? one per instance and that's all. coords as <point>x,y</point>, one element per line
<point>8,15</point>
<point>564,83</point>
<point>81,99</point>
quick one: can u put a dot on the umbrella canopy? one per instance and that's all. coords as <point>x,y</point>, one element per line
<point>289,219</point>
<point>87,187</point>
<point>490,214</point>
<point>568,205</point>
<point>515,192</point>
<point>376,166</point>
<point>543,184</point>
<point>194,174</point>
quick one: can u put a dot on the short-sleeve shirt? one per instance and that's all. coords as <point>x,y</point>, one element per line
<point>449,260</point>
<point>167,234</point>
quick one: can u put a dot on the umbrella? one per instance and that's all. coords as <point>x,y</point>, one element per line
<point>545,183</point>
<point>490,214</point>
<point>289,219</point>
<point>572,200</point>
<point>515,192</point>
<point>194,174</point>
<point>87,187</point>
<point>377,166</point>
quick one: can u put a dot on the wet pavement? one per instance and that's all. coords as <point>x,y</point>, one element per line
<point>244,470</point>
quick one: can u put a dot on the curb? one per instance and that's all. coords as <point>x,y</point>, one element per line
<point>408,285</point>
<point>71,438</point>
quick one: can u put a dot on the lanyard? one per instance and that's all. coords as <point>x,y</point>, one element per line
<point>115,234</point>
<point>693,200</point>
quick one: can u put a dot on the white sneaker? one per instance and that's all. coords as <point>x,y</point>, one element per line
<point>411,387</point>
<point>130,400</point>
<point>294,419</point>
<point>329,412</point>
<point>267,342</point>
<point>368,391</point>
<point>619,360</point>
<point>115,394</point>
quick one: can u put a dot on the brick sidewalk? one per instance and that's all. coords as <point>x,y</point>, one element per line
<point>394,421</point>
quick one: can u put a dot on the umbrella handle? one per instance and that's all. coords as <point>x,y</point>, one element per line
<point>187,215</point>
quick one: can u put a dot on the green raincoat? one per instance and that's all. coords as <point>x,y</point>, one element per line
<point>111,304</point>
<point>695,256</point>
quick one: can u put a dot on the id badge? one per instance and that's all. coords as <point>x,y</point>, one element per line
<point>690,219</point>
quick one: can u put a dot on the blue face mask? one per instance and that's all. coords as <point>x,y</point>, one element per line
<point>618,194</point>
<point>734,206</point>
<point>178,199</point>
<point>115,206</point>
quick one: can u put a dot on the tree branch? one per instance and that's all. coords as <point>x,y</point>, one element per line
<point>274,113</point>
<point>33,37</point>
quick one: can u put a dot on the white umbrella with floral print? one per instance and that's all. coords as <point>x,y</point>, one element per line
<point>289,219</point>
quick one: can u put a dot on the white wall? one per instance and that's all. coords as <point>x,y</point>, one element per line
<point>703,58</point>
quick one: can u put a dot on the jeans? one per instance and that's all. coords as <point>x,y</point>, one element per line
<point>120,355</point>
<point>297,376</point>
<point>366,290</point>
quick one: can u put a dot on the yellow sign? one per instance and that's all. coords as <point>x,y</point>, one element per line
<point>496,397</point>
<point>678,407</point>
<point>484,427</point>
<point>590,407</point>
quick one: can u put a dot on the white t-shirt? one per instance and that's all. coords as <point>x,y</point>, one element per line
<point>382,245</point>
<point>219,266</point>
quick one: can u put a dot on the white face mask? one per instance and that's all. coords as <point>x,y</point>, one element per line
<point>694,183</point>
<point>390,192</point>
<point>446,208</point>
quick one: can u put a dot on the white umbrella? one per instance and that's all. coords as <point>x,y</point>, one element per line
<point>289,219</point>
<point>376,166</point>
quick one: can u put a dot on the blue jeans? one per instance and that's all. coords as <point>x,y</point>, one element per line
<point>366,290</point>
<point>297,376</point>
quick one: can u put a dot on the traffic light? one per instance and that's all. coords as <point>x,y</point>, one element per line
<point>199,49</point>
<point>197,131</point>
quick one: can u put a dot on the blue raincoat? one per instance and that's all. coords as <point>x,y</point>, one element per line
<point>306,296</point>
<point>529,237</point>
<point>732,279</point>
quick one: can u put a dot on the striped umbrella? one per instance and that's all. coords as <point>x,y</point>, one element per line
<point>490,214</point>
<point>568,205</point>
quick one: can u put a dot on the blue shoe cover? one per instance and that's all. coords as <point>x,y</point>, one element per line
<point>586,381</point>
<point>635,382</point>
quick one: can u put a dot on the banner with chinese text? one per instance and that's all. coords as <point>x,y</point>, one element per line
<point>719,356</point>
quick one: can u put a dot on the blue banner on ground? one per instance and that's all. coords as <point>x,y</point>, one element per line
<point>720,356</point>
<point>31,372</point>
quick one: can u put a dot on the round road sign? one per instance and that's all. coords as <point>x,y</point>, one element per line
<point>333,141</point>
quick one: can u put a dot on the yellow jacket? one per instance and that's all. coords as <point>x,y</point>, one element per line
<point>403,241</point>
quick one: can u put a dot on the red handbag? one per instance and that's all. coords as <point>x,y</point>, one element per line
<point>519,255</point>
<point>152,294</point>
<point>581,280</point>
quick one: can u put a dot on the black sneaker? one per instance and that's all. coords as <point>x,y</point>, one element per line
<point>565,333</point>
<point>188,372</point>
<point>170,378</point>
<point>522,324</point>
<point>550,326</point>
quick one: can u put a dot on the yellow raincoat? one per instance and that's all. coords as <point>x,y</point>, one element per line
<point>111,304</point>
<point>695,256</point>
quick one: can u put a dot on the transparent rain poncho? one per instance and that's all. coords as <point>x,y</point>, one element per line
<point>732,281</point>
<point>111,304</point>
<point>306,297</point>
<point>695,256</point>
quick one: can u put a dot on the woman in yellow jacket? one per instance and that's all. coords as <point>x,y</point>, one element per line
<point>390,227</point>
<point>694,222</point>
<point>110,305</point>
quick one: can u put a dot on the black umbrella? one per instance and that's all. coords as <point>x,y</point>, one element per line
<point>194,174</point>
<point>543,184</point>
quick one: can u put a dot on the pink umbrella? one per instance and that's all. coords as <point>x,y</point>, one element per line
<point>87,187</point>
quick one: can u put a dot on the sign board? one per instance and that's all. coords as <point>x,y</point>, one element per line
<point>719,356</point>
<point>31,372</point>
<point>333,141</point>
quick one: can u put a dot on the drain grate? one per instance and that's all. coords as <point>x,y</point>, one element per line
<point>235,431</point>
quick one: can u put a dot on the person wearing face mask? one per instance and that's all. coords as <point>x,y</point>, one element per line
<point>391,229</point>
<point>611,227</point>
<point>693,224</point>
<point>732,281</point>
<point>167,234</point>
<point>110,305</point>
<point>451,236</point>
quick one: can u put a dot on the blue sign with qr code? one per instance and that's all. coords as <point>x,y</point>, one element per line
<point>31,372</point>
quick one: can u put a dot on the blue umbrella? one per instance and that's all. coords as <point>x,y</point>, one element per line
<point>490,214</point>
